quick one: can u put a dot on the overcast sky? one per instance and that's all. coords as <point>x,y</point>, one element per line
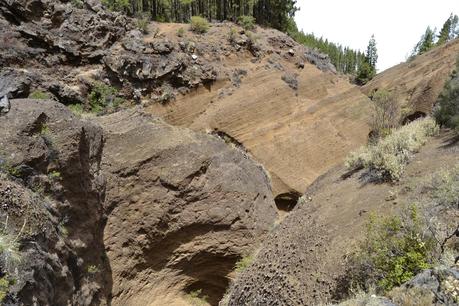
<point>396,24</point>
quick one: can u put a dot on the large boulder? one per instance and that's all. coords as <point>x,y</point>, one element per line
<point>51,190</point>
<point>183,208</point>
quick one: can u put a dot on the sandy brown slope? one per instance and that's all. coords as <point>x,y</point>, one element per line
<point>295,134</point>
<point>418,83</point>
<point>302,262</point>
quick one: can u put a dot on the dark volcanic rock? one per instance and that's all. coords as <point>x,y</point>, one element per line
<point>51,190</point>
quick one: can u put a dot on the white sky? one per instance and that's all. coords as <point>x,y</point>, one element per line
<point>396,24</point>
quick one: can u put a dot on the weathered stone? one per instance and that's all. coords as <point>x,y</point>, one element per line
<point>207,203</point>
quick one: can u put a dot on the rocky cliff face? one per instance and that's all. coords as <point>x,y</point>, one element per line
<point>183,208</point>
<point>51,192</point>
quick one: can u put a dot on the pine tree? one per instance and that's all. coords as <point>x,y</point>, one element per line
<point>372,52</point>
<point>445,32</point>
<point>426,43</point>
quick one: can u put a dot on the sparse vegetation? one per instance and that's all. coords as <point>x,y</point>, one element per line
<point>142,24</point>
<point>246,22</point>
<point>180,32</point>
<point>103,96</point>
<point>395,250</point>
<point>92,269</point>
<point>44,129</point>
<point>77,3</point>
<point>386,160</point>
<point>4,287</point>
<point>9,246</point>
<point>76,109</point>
<point>411,296</point>
<point>444,187</point>
<point>199,25</point>
<point>38,94</point>
<point>447,110</point>
<point>386,114</point>
<point>196,298</point>
<point>232,35</point>
<point>54,175</point>
<point>243,263</point>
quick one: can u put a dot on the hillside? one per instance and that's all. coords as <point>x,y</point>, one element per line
<point>151,165</point>
<point>275,120</point>
<point>418,83</point>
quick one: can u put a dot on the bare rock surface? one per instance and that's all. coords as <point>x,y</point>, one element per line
<point>183,208</point>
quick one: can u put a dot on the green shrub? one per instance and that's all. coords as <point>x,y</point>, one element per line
<point>54,175</point>
<point>77,109</point>
<point>232,35</point>
<point>444,187</point>
<point>196,298</point>
<point>92,269</point>
<point>447,110</point>
<point>38,94</point>
<point>4,287</point>
<point>387,159</point>
<point>103,96</point>
<point>395,250</point>
<point>199,24</point>
<point>244,263</point>
<point>385,115</point>
<point>246,22</point>
<point>180,32</point>
<point>142,24</point>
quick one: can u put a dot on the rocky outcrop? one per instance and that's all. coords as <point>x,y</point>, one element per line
<point>51,192</point>
<point>183,208</point>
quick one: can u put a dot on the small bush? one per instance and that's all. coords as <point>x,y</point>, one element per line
<point>142,24</point>
<point>38,94</point>
<point>103,96</point>
<point>387,159</point>
<point>4,287</point>
<point>411,296</point>
<point>180,32</point>
<point>246,22</point>
<point>386,114</point>
<point>77,109</point>
<point>54,175</point>
<point>444,187</point>
<point>196,298</point>
<point>232,35</point>
<point>199,24</point>
<point>92,269</point>
<point>394,251</point>
<point>244,263</point>
<point>447,110</point>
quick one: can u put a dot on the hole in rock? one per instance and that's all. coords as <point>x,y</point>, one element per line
<point>287,201</point>
<point>209,275</point>
<point>413,116</point>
